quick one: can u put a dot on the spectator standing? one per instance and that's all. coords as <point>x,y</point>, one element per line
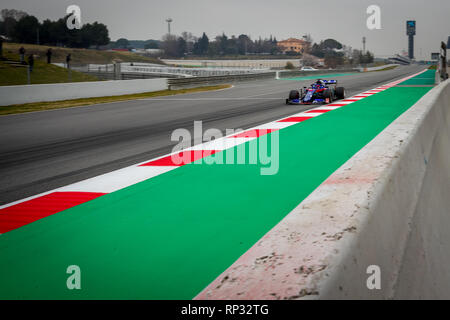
<point>22,55</point>
<point>1,47</point>
<point>68,59</point>
<point>49,55</point>
<point>31,62</point>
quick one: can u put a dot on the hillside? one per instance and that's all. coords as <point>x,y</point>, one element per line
<point>13,73</point>
<point>79,56</point>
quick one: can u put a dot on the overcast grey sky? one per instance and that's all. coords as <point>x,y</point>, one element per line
<point>344,20</point>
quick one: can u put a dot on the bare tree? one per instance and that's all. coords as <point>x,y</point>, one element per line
<point>187,36</point>
<point>309,60</point>
<point>13,13</point>
<point>190,41</point>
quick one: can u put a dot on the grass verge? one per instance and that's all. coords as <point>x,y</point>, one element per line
<point>51,105</point>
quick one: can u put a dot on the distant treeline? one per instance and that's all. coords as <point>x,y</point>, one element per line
<point>187,44</point>
<point>123,43</point>
<point>333,52</point>
<point>24,28</point>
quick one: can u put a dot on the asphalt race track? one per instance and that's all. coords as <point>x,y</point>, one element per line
<point>44,150</point>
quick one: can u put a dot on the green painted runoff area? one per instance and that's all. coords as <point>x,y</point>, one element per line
<point>170,236</point>
<point>426,78</point>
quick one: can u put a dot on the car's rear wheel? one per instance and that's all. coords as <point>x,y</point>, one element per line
<point>294,94</point>
<point>340,93</point>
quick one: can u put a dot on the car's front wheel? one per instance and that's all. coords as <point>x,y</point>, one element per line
<point>294,94</point>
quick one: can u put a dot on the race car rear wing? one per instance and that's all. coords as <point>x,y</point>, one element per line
<point>329,81</point>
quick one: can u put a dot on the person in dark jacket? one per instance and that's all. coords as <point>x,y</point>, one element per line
<point>1,47</point>
<point>68,59</point>
<point>49,55</point>
<point>31,62</point>
<point>22,55</point>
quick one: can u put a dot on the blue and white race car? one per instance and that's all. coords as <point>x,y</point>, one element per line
<point>320,92</point>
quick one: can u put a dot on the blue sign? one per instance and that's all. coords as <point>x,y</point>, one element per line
<point>411,27</point>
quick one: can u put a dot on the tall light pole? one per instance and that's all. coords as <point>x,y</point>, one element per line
<point>168,24</point>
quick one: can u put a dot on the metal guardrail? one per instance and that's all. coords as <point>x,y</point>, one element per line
<point>127,76</point>
<point>289,74</point>
<point>180,80</point>
<point>183,82</point>
<point>125,71</point>
<point>189,76</point>
<point>173,83</point>
<point>188,72</point>
<point>149,68</point>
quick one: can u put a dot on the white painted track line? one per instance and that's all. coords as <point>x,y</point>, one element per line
<point>119,179</point>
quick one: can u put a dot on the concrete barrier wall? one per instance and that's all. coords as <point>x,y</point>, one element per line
<point>388,207</point>
<point>62,91</point>
<point>425,267</point>
<point>403,214</point>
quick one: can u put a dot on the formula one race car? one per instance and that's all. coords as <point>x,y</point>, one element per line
<point>320,92</point>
